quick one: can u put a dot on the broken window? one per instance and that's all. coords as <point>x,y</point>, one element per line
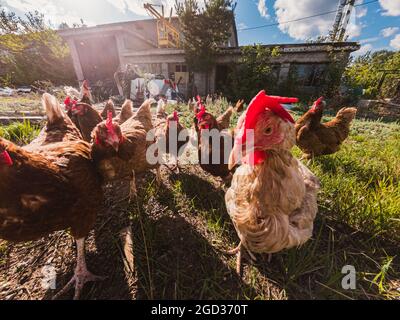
<point>309,75</point>
<point>180,68</point>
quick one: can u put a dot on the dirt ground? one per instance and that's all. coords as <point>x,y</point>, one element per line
<point>178,251</point>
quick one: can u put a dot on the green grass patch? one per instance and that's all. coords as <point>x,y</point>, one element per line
<point>21,133</point>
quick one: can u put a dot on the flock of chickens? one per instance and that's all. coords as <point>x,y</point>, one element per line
<point>55,183</point>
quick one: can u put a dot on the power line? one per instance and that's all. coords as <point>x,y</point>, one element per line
<point>304,18</point>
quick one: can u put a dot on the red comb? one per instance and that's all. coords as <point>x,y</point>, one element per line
<point>203,110</point>
<point>67,101</point>
<point>261,102</point>
<point>200,115</point>
<point>109,122</point>
<point>6,159</point>
<point>317,103</point>
<point>175,115</point>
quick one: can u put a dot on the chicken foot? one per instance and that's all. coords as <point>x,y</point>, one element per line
<point>81,275</point>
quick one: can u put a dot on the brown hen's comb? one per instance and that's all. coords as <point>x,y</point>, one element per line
<point>109,122</point>
<point>203,110</point>
<point>6,159</point>
<point>317,103</point>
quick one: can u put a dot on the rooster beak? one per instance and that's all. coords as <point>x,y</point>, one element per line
<point>234,156</point>
<point>115,146</point>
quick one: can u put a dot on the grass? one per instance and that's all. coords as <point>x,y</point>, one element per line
<point>20,133</point>
<point>27,103</point>
<point>358,224</point>
<point>182,229</point>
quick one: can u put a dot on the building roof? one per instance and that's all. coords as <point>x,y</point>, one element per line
<point>110,27</point>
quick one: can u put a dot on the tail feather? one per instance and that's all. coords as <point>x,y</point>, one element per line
<point>239,106</point>
<point>53,109</point>
<point>161,108</point>
<point>143,115</point>
<point>108,107</point>
<point>145,108</point>
<point>85,91</point>
<point>346,115</point>
<point>225,119</point>
<point>126,111</point>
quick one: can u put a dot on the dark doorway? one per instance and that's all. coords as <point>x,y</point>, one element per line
<point>99,60</point>
<point>221,80</point>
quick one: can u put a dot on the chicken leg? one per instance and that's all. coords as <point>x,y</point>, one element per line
<point>132,187</point>
<point>238,251</point>
<point>81,275</point>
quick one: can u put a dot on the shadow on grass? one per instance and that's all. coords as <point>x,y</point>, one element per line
<point>203,194</point>
<point>314,271</point>
<point>174,261</point>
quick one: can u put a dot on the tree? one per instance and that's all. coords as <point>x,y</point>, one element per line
<point>31,51</point>
<point>204,30</point>
<point>366,72</point>
<point>252,74</point>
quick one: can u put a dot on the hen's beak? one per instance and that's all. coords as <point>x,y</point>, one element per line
<point>203,125</point>
<point>115,146</point>
<point>235,156</point>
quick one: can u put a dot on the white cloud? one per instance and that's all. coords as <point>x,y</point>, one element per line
<point>361,12</point>
<point>388,32</point>
<point>391,7</point>
<point>262,8</point>
<point>354,30</point>
<point>287,10</point>
<point>395,43</point>
<point>53,12</point>
<point>374,39</point>
<point>92,11</point>
<point>364,49</point>
<point>137,6</point>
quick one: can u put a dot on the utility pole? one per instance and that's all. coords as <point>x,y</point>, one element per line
<point>338,20</point>
<point>345,8</point>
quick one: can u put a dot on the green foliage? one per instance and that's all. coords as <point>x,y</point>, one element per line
<point>252,74</point>
<point>366,72</point>
<point>20,133</point>
<point>204,31</point>
<point>31,51</point>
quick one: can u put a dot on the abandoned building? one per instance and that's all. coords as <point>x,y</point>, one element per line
<point>98,52</point>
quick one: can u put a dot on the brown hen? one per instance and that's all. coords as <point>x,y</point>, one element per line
<point>50,185</point>
<point>315,138</point>
<point>120,151</point>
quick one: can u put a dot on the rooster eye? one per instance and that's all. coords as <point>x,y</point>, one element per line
<point>268,131</point>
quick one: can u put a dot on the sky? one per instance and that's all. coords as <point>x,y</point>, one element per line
<point>375,25</point>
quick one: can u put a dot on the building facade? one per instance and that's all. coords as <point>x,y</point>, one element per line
<point>98,52</point>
